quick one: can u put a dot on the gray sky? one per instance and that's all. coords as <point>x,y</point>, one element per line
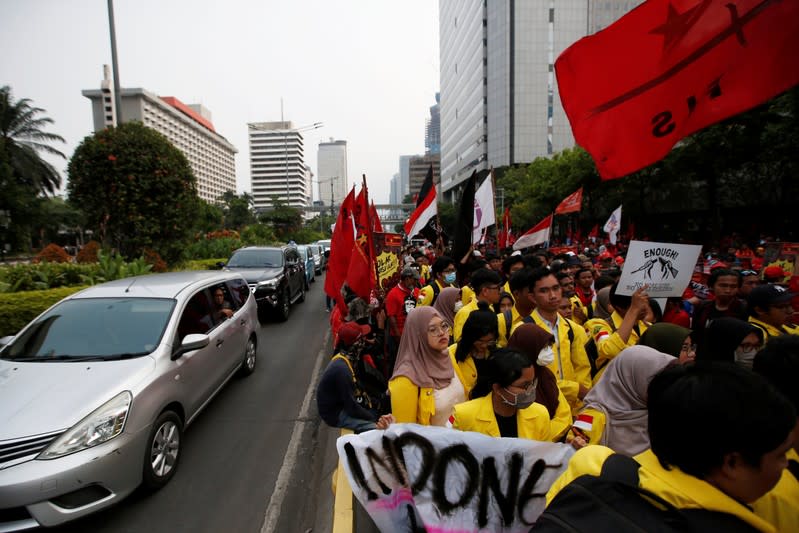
<point>368,69</point>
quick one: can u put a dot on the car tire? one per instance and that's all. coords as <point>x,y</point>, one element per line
<point>263,316</point>
<point>162,454</point>
<point>250,357</point>
<point>284,306</point>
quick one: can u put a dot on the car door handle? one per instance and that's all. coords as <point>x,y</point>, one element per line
<point>219,343</point>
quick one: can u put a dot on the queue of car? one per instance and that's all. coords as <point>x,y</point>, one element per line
<point>96,392</point>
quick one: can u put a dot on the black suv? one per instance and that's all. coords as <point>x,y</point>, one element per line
<point>275,274</point>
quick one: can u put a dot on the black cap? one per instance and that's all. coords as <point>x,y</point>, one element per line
<point>769,294</point>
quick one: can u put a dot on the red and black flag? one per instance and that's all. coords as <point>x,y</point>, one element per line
<point>424,219</point>
<point>341,250</point>
<point>361,270</point>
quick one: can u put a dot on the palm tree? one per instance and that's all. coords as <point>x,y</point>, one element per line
<point>22,139</point>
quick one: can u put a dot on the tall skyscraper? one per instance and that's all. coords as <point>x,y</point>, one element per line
<point>188,127</point>
<point>432,129</point>
<point>418,168</point>
<point>499,98</point>
<point>277,165</point>
<point>331,170</point>
<point>405,175</point>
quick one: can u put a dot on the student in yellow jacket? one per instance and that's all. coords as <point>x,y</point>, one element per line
<point>424,386</point>
<point>622,330</point>
<point>778,362</point>
<point>479,337</point>
<point>522,305</point>
<point>443,275</point>
<point>508,409</point>
<point>769,309</point>
<point>486,284</point>
<point>570,364</point>
<point>713,448</point>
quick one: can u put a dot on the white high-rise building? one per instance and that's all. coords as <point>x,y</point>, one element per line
<point>188,127</point>
<point>277,165</point>
<point>331,170</point>
<point>499,97</point>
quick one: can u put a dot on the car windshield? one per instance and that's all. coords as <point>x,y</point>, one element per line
<point>304,252</point>
<point>256,259</point>
<point>93,328</point>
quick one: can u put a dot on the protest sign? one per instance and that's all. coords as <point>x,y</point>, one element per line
<point>388,251</point>
<point>423,478</point>
<point>665,268</point>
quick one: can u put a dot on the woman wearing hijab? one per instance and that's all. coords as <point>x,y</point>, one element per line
<point>731,340</point>
<point>536,343</point>
<point>603,308</point>
<point>671,339</point>
<point>448,303</point>
<point>478,338</point>
<point>615,410</point>
<point>506,400</point>
<point>424,387</point>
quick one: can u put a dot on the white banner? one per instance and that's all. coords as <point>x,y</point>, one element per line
<point>484,210</point>
<point>417,478</point>
<point>665,268</point>
<point>613,225</point>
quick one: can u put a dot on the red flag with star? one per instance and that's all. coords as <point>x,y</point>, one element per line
<point>341,251</point>
<point>670,68</point>
<point>361,272</point>
<point>376,225</point>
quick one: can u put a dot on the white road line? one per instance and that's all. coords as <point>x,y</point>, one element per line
<point>290,460</point>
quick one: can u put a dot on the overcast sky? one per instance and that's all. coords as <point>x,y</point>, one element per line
<point>367,69</point>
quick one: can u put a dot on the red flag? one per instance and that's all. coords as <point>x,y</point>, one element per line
<point>505,235</point>
<point>376,225</point>
<point>340,250</point>
<point>538,234</point>
<point>571,204</point>
<point>361,271</point>
<point>594,232</point>
<point>672,67</point>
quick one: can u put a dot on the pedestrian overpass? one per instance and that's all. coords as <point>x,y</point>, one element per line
<point>390,214</point>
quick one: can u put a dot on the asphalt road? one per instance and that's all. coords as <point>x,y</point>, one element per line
<point>237,472</point>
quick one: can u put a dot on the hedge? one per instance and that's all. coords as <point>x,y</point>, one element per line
<point>19,308</point>
<point>201,264</point>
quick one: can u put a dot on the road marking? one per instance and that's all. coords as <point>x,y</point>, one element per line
<point>290,460</point>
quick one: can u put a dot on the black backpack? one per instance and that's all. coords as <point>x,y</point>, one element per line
<point>614,503</point>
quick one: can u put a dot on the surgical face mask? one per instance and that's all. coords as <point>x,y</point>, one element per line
<point>521,400</point>
<point>449,277</point>
<point>745,356</point>
<point>546,356</point>
<point>458,305</point>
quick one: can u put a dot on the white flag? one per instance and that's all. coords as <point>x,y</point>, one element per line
<point>484,210</point>
<point>613,225</point>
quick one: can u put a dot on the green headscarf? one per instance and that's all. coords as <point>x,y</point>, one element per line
<point>665,337</point>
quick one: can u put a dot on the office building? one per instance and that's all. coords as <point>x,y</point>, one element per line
<point>499,97</point>
<point>417,171</point>
<point>188,127</point>
<point>277,165</point>
<point>432,129</point>
<point>331,171</point>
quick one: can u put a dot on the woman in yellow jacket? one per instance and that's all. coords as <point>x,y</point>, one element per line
<point>536,344</point>
<point>505,404</point>
<point>424,387</point>
<point>478,338</point>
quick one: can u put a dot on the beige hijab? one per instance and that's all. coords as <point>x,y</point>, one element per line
<point>416,360</point>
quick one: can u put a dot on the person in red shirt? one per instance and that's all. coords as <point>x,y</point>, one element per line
<point>675,314</point>
<point>399,302</point>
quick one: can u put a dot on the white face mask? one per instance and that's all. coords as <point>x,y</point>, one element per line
<point>458,305</point>
<point>546,356</point>
<point>745,357</point>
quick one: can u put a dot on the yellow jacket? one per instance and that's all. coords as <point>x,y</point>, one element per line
<point>770,331</point>
<point>571,365</point>
<point>426,293</point>
<point>460,319</point>
<point>465,370</point>
<point>578,304</point>
<point>597,426</point>
<point>410,403</point>
<point>478,415</point>
<point>780,506</point>
<point>516,318</point>
<point>608,341</point>
<point>467,294</point>
<point>675,486</point>
<point>562,421</point>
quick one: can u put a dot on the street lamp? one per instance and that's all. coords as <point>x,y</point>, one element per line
<point>309,127</point>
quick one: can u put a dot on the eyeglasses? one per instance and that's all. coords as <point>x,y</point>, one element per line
<point>492,287</point>
<point>529,388</point>
<point>439,330</point>
<point>688,348</point>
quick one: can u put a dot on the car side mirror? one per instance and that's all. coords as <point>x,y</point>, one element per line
<point>191,342</point>
<point>5,340</point>
<point>327,253</point>
<point>220,264</point>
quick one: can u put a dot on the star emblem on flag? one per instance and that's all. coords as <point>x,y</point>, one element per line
<point>677,25</point>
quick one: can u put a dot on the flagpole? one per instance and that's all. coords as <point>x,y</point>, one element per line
<point>371,241</point>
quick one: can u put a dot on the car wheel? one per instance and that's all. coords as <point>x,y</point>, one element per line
<point>284,307</point>
<point>163,451</point>
<point>318,271</point>
<point>250,355</point>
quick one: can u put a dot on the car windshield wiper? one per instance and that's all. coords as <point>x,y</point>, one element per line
<point>130,355</point>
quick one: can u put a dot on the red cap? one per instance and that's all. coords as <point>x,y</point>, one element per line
<point>719,264</point>
<point>619,260</point>
<point>605,255</point>
<point>350,332</point>
<point>774,272</point>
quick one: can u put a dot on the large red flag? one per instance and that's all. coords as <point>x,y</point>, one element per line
<point>538,234</point>
<point>377,227</point>
<point>340,250</point>
<point>670,68</point>
<point>571,204</point>
<point>361,271</point>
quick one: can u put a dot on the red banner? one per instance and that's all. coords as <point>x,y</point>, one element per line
<point>571,204</point>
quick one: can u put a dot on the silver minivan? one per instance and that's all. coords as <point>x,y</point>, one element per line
<point>95,392</point>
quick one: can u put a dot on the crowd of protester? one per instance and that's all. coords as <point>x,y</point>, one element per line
<point>700,393</point>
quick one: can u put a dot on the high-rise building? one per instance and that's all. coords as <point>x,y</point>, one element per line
<point>331,171</point>
<point>418,167</point>
<point>277,165</point>
<point>188,127</point>
<point>499,97</point>
<point>405,175</point>
<point>432,129</point>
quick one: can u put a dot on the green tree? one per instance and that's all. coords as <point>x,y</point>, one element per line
<point>239,210</point>
<point>137,190</point>
<point>24,176</point>
<point>208,217</point>
<point>283,218</point>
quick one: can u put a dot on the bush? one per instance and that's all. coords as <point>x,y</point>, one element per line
<point>202,264</point>
<point>17,309</point>
<point>40,276</point>
<point>152,258</point>
<point>258,235</point>
<point>88,254</point>
<point>209,248</point>
<point>53,253</point>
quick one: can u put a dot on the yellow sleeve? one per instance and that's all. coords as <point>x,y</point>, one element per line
<point>580,364</point>
<point>570,390</point>
<point>539,427</point>
<point>467,295</point>
<point>597,426</point>
<point>404,399</point>
<point>588,460</point>
<point>460,418</point>
<point>460,320</point>
<point>562,420</point>
<point>502,339</point>
<point>780,505</point>
<point>608,342</point>
<point>425,296</point>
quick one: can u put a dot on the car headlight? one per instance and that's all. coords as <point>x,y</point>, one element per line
<point>270,283</point>
<point>102,425</point>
